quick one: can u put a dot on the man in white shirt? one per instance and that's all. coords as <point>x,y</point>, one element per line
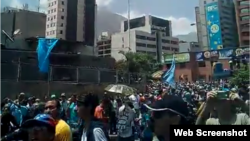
<point>126,118</point>
<point>135,99</point>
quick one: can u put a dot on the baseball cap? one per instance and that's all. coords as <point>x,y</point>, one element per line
<point>63,95</point>
<point>40,120</point>
<point>53,96</point>
<point>171,104</point>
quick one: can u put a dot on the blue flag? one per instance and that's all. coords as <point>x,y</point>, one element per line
<point>44,48</point>
<point>168,77</point>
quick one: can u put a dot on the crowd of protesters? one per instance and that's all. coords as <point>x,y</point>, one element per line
<point>145,116</point>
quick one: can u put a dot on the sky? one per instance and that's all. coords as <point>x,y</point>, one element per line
<point>180,12</point>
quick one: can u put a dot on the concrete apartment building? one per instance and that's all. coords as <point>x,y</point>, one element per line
<point>30,23</point>
<point>104,45</point>
<point>227,23</point>
<point>72,20</point>
<point>242,16</point>
<point>148,34</point>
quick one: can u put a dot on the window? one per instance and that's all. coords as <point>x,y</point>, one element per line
<point>48,18</point>
<point>151,46</point>
<point>140,44</point>
<point>54,16</point>
<point>151,39</point>
<point>51,25</point>
<point>47,25</point>
<point>48,11</point>
<point>244,10</point>
<point>244,3</point>
<point>140,37</point>
<point>55,2</point>
<point>62,9</point>
<point>61,32</point>
<point>182,65</point>
<point>62,17</point>
<point>165,41</point>
<point>61,25</point>
<point>201,64</point>
<point>205,2</point>
<point>165,48</point>
<point>245,18</point>
<point>62,2</point>
<point>53,32</point>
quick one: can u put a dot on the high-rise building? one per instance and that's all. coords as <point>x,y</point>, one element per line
<point>72,20</point>
<point>242,16</point>
<point>147,34</point>
<point>104,45</point>
<point>218,25</point>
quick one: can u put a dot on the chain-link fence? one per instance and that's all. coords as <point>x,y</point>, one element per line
<point>80,75</point>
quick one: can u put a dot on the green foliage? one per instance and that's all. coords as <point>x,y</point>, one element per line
<point>240,76</point>
<point>136,62</point>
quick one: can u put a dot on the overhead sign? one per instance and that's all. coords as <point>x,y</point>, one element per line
<point>226,53</point>
<point>242,51</point>
<point>179,58</point>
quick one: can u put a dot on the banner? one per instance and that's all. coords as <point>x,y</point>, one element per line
<point>213,26</point>
<point>44,48</point>
<point>226,53</point>
<point>179,58</point>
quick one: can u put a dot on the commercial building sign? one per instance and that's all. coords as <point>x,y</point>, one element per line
<point>226,53</point>
<point>213,26</point>
<point>223,54</point>
<point>207,55</point>
<point>179,58</point>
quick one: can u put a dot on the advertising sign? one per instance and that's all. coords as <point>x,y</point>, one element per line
<point>199,56</point>
<point>213,26</point>
<point>207,55</point>
<point>179,58</point>
<point>243,53</point>
<point>226,53</point>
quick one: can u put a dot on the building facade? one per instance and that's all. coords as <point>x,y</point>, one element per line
<point>72,20</point>
<point>13,19</point>
<point>189,47</point>
<point>147,34</point>
<point>242,16</point>
<point>104,45</point>
<point>198,26</point>
<point>226,23</point>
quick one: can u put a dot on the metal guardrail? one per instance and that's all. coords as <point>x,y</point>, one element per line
<point>30,73</point>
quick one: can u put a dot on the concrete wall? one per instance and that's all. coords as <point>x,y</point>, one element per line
<point>31,24</point>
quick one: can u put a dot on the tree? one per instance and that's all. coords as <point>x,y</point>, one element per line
<point>136,62</point>
<point>240,76</point>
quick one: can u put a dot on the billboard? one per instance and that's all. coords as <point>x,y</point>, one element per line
<point>213,26</point>
<point>179,58</point>
<point>223,54</point>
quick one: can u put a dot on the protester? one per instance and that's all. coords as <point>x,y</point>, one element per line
<point>62,132</point>
<point>225,109</point>
<point>91,129</point>
<point>170,110</point>
<point>41,128</point>
<point>126,117</point>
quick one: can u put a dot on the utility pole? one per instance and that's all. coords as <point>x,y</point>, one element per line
<point>38,7</point>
